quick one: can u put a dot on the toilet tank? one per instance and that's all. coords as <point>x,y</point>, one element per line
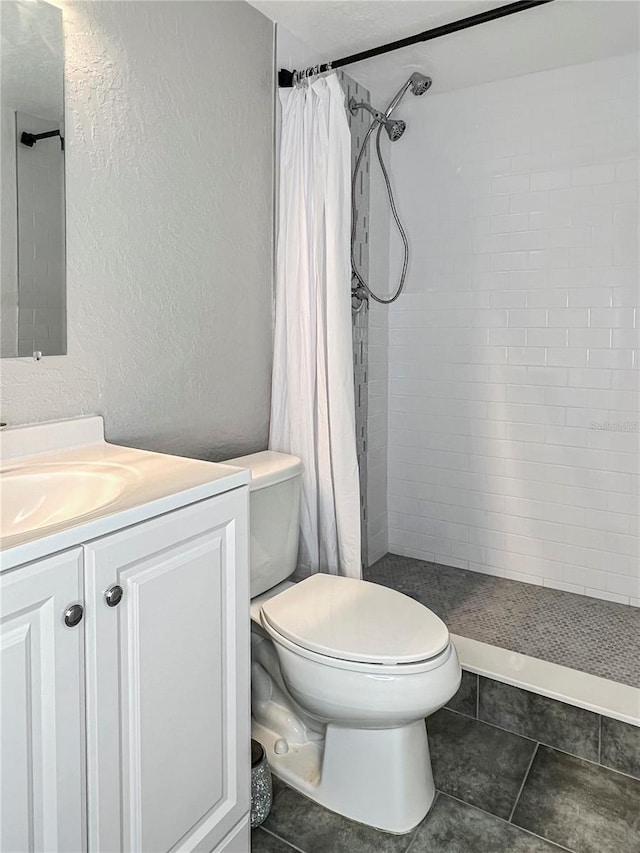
<point>274,516</point>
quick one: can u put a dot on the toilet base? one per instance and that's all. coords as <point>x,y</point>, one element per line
<point>379,777</point>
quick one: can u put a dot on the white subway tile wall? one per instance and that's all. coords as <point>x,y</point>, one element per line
<point>514,354</point>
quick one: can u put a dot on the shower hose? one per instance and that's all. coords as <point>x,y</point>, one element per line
<point>361,284</point>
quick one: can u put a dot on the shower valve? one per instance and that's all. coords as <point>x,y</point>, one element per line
<point>359,293</point>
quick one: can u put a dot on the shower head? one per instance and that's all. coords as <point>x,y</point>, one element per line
<point>394,127</point>
<point>419,83</point>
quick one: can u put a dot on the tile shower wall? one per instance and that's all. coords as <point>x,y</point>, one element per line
<point>360,319</point>
<point>514,352</point>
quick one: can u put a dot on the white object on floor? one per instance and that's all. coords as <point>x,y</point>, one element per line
<point>600,695</point>
<point>343,672</point>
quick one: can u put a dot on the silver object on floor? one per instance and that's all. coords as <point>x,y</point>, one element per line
<point>261,787</point>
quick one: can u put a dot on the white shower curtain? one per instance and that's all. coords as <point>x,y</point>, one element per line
<point>312,402</point>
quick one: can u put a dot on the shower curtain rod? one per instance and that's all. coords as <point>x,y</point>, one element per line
<point>285,77</point>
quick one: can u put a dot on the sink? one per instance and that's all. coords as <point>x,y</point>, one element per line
<point>36,497</point>
<point>62,484</point>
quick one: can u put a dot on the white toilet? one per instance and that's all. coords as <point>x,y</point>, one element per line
<point>343,671</point>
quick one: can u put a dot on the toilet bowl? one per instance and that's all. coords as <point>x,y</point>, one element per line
<point>344,671</point>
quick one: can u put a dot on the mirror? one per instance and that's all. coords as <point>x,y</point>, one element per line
<point>32,213</point>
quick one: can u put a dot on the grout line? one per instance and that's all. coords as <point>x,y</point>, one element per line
<point>284,840</point>
<point>494,726</point>
<point>514,825</point>
<point>425,818</point>
<point>542,743</point>
<point>526,776</point>
<point>600,740</point>
<point>589,761</point>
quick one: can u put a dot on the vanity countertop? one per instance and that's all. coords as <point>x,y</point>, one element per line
<point>62,484</point>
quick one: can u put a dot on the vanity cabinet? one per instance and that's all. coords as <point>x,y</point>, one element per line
<point>41,716</point>
<point>153,683</point>
<point>167,711</point>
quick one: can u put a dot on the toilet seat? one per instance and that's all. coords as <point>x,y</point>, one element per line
<point>354,622</point>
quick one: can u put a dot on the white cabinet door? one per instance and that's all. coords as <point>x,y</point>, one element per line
<point>168,680</point>
<point>42,752</point>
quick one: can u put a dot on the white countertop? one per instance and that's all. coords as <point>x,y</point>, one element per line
<point>151,483</point>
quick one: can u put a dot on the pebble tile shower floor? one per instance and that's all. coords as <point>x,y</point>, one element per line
<point>588,634</point>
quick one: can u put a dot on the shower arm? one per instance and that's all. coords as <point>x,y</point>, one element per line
<point>377,115</point>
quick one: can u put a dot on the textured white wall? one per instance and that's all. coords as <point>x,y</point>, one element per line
<point>169,217</point>
<point>515,352</point>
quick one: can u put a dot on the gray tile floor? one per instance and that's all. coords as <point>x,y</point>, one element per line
<point>497,793</point>
<point>583,633</point>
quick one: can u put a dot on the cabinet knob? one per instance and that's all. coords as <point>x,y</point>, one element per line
<point>73,615</point>
<point>113,596</point>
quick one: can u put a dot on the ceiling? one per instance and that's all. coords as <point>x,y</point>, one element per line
<point>564,32</point>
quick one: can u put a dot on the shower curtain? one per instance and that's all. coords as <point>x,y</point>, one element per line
<point>312,401</point>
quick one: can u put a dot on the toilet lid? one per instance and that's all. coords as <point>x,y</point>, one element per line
<point>356,620</point>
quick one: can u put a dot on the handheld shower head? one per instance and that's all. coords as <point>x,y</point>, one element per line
<point>419,83</point>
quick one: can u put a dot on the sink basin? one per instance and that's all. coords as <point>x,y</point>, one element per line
<point>38,497</point>
<point>62,484</point>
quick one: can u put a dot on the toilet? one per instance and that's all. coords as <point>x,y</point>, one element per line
<point>343,671</point>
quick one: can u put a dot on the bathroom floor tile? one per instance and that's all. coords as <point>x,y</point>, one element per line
<point>314,829</point>
<point>582,806</point>
<point>466,699</point>
<point>553,723</point>
<point>264,842</point>
<point>477,763</point>
<point>589,634</point>
<point>455,827</point>
<point>620,747</point>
